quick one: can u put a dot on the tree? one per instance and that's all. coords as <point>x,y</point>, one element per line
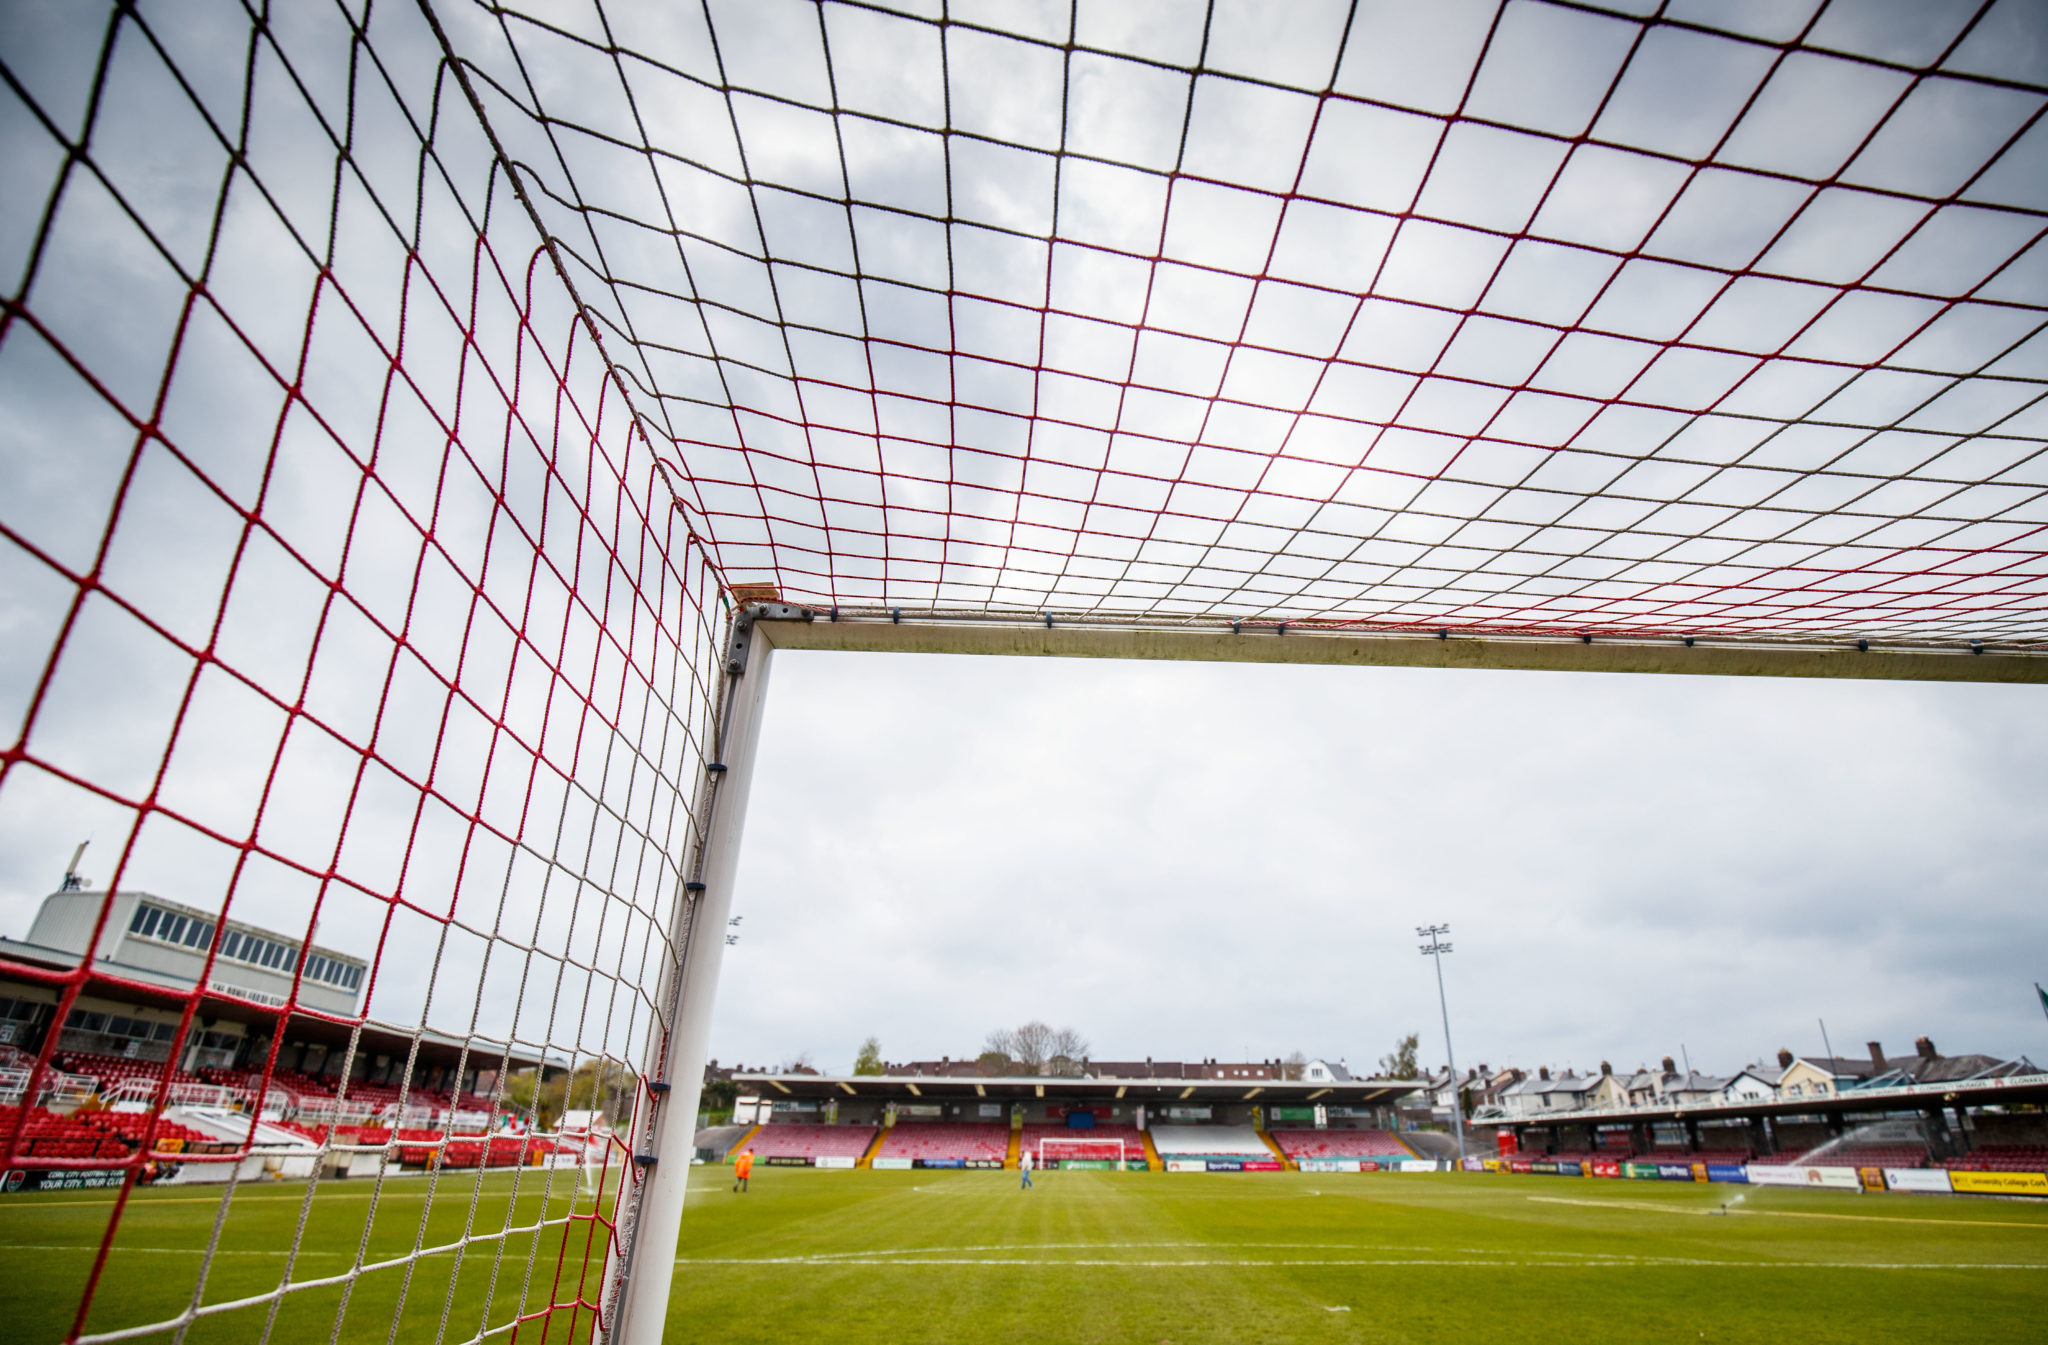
<point>993,1064</point>
<point>869,1061</point>
<point>1401,1064</point>
<point>800,1063</point>
<point>1294,1065</point>
<point>1035,1044</point>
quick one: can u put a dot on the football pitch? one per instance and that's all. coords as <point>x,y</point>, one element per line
<point>943,1256</point>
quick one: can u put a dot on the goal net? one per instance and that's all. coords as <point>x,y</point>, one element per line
<point>400,396</point>
<point>1054,1152</point>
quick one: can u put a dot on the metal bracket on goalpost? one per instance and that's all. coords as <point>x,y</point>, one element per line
<point>648,1266</point>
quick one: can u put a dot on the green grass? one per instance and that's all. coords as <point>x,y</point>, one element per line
<point>908,1257</point>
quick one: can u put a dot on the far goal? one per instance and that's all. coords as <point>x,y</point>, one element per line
<point>1105,1153</point>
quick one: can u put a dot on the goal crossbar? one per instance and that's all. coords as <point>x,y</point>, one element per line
<point>1092,636</point>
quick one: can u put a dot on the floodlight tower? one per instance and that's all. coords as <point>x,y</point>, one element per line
<point>1435,949</point>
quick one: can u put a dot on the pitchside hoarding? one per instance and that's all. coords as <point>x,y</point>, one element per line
<point>2001,1183</point>
<point>1929,1181</point>
<point>1837,1179</point>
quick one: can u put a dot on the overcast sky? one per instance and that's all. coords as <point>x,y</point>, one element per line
<point>1212,860</point>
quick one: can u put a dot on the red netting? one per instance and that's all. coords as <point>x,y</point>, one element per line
<point>351,354</point>
<point>351,619</point>
<point>1525,317</point>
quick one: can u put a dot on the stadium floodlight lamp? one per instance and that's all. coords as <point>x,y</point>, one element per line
<point>1436,948</point>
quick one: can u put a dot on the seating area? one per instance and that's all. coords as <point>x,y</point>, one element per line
<point>1134,1141</point>
<point>946,1139</point>
<point>1686,1156</point>
<point>1299,1144</point>
<point>170,1136</point>
<point>2000,1158</point>
<point>98,1135</point>
<point>496,1151</point>
<point>1209,1142</point>
<point>1851,1156</point>
<point>809,1141</point>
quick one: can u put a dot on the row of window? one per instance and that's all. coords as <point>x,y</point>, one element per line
<point>153,922</point>
<point>19,1010</point>
<point>85,1020</point>
<point>326,969</point>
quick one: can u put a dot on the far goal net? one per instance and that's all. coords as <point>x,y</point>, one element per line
<point>1053,1153</point>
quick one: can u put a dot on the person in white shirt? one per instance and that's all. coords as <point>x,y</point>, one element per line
<point>1024,1163</point>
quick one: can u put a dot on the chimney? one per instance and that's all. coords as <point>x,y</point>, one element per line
<point>1876,1056</point>
<point>1670,1066</point>
<point>1784,1058</point>
<point>1606,1069</point>
<point>1925,1048</point>
<point>1543,1072</point>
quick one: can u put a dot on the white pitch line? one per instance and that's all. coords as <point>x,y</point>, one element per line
<point>1787,1214</point>
<point>1617,1263</point>
<point>154,1251</point>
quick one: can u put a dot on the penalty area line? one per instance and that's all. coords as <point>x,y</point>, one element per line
<point>1789,1214</point>
<point>1490,1263</point>
<point>154,1251</point>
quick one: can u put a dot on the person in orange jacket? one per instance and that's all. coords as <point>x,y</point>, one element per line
<point>742,1168</point>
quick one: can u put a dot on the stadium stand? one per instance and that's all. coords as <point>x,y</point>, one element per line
<point>1133,1138</point>
<point>1299,1144</point>
<point>2000,1158</point>
<point>1688,1156</point>
<point>1851,1156</point>
<point>1209,1142</point>
<point>946,1139</point>
<point>809,1141</point>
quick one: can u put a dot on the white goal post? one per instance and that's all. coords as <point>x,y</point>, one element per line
<point>1053,1150</point>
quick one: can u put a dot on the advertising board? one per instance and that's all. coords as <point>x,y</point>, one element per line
<point>1543,1167</point>
<point>891,1164</point>
<point>1474,1165</point>
<point>1727,1172</point>
<point>55,1179</point>
<point>981,1162</point>
<point>1412,1165</point>
<point>1927,1181</point>
<point>1186,1165</point>
<point>1642,1171</point>
<point>833,1161</point>
<point>1187,1113</point>
<point>1872,1178</point>
<point>1604,1167</point>
<point>1567,1168</point>
<point>1520,1165</point>
<point>1292,1113</point>
<point>1259,1165</point>
<point>918,1109</point>
<point>2000,1183</point>
<point>1329,1165</point>
<point>940,1162</point>
<point>1833,1179</point>
<point>785,1161</point>
<point>1674,1172</point>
